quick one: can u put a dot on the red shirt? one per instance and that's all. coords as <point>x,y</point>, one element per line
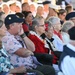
<point>39,44</point>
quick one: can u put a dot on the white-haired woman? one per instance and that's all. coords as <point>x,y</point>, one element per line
<point>66,26</point>
<point>58,42</point>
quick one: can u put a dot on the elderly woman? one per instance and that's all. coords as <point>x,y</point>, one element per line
<point>66,26</point>
<point>55,22</point>
<point>49,33</point>
<point>58,42</point>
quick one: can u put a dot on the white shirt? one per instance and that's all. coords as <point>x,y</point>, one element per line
<point>58,43</point>
<point>68,63</point>
<point>65,37</point>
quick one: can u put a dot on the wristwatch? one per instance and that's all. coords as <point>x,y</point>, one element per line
<point>23,35</point>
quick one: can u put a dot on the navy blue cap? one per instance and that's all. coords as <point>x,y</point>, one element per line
<point>46,2</point>
<point>13,18</point>
<point>70,15</point>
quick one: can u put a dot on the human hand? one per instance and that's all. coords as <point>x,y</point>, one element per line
<point>21,69</point>
<point>29,53</point>
<point>21,31</point>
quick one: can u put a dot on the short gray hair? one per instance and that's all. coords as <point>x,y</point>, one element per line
<point>67,25</point>
<point>36,22</point>
<point>53,20</point>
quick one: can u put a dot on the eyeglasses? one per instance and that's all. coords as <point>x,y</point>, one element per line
<point>42,25</point>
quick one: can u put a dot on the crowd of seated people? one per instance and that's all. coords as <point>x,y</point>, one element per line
<point>38,45</point>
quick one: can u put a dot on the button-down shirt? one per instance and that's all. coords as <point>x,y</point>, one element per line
<point>12,44</point>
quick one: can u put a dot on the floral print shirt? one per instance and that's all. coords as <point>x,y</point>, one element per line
<point>5,64</point>
<point>12,44</point>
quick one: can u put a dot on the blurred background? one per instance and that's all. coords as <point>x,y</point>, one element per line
<point>58,2</point>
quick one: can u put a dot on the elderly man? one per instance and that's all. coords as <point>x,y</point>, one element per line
<point>20,47</point>
<point>6,68</point>
<point>66,26</point>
